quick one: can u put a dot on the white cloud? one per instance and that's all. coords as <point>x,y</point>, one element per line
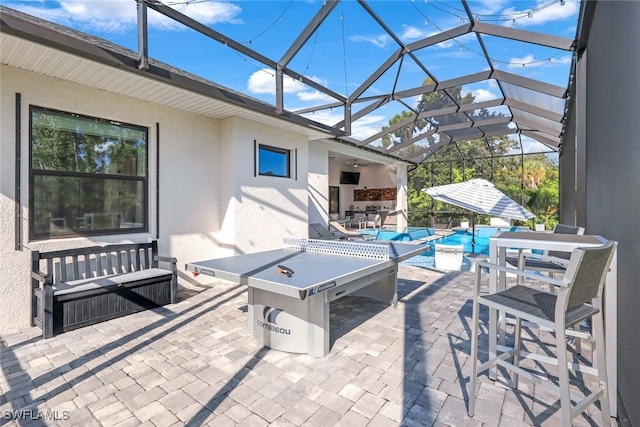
<point>307,96</point>
<point>413,101</point>
<point>361,129</point>
<point>368,125</point>
<point>481,95</point>
<point>213,12</point>
<point>264,81</point>
<point>517,62</point>
<point>380,41</point>
<point>326,117</point>
<point>530,145</point>
<point>409,33</point>
<point>530,61</point>
<point>320,81</point>
<point>115,16</point>
<point>489,7</point>
<point>555,12</point>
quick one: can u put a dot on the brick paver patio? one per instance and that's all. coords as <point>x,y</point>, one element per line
<point>194,363</point>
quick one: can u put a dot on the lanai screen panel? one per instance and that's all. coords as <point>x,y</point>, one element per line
<point>363,67</point>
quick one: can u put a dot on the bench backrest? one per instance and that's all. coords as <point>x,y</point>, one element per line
<point>94,261</point>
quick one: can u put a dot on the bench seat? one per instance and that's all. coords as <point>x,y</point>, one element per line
<point>94,285</point>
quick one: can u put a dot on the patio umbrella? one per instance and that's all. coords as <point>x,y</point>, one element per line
<point>479,196</point>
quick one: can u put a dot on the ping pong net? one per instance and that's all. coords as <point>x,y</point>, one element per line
<point>339,247</point>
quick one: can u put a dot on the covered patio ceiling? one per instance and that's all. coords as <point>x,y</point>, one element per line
<point>438,72</point>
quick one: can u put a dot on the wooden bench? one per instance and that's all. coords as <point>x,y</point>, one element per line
<point>79,287</point>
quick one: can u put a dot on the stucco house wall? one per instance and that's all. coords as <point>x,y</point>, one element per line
<point>263,209</point>
<point>210,202</point>
<point>318,183</point>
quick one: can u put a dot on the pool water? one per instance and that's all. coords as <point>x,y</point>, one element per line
<point>463,237</point>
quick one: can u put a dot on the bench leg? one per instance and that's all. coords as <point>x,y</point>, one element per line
<point>47,311</point>
<point>35,296</point>
<point>174,284</point>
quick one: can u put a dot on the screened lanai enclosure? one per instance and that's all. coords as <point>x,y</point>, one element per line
<point>463,86</point>
<point>406,81</point>
<point>517,92</point>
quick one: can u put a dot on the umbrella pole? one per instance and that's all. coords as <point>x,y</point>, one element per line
<point>473,233</point>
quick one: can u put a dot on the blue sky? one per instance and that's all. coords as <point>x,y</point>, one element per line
<point>341,55</point>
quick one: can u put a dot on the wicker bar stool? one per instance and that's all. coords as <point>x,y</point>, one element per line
<point>578,297</point>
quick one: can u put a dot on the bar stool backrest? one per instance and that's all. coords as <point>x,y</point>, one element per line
<point>590,273</point>
<point>565,229</point>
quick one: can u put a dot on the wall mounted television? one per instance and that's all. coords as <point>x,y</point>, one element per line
<point>349,178</point>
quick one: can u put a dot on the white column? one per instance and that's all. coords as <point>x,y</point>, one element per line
<point>401,199</point>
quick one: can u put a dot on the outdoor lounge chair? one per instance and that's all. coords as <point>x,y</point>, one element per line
<point>579,297</point>
<point>319,231</point>
<point>339,227</point>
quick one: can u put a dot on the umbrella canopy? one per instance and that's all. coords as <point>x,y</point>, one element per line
<point>479,196</point>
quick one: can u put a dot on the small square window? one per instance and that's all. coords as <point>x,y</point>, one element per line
<point>273,161</point>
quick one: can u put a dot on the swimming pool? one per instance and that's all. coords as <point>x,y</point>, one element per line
<point>460,237</point>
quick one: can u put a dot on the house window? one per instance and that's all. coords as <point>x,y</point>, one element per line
<point>88,176</point>
<point>273,161</point>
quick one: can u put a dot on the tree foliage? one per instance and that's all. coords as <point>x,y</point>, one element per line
<point>540,196</point>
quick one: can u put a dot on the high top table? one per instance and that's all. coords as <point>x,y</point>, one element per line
<point>500,243</point>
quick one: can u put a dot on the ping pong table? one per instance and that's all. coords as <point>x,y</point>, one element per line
<point>290,289</point>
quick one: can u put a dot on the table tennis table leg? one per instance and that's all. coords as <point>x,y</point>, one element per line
<point>383,287</point>
<point>289,324</point>
<point>318,334</point>
<point>250,311</point>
